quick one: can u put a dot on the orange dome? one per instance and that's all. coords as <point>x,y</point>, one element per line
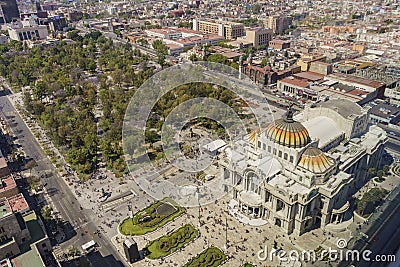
<point>288,133</point>
<point>314,160</point>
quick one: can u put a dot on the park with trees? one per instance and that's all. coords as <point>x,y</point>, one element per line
<point>78,91</point>
<point>63,83</point>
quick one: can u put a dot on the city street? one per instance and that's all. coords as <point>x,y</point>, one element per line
<point>62,198</point>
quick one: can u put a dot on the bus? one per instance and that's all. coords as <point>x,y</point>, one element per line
<point>89,246</point>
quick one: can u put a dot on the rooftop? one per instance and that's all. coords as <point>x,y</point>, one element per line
<point>266,69</point>
<point>219,21</point>
<point>7,242</point>
<point>278,41</point>
<point>30,258</point>
<point>296,82</point>
<point>333,93</point>
<point>8,184</point>
<point>18,203</point>
<point>346,108</point>
<point>323,128</point>
<point>357,92</point>
<point>4,207</point>
<point>36,231</point>
<point>195,39</point>
<point>384,110</point>
<point>288,185</point>
<point>309,75</point>
<point>3,163</point>
<point>232,54</point>
<point>356,79</point>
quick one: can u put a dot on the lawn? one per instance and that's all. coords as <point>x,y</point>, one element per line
<point>210,257</point>
<point>152,217</point>
<point>172,242</point>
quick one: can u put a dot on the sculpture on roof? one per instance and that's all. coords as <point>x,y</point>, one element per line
<point>289,113</point>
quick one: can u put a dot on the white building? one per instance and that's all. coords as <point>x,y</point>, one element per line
<point>393,94</point>
<point>300,176</point>
<point>27,29</point>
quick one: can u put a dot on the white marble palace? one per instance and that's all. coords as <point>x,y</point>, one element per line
<point>299,173</point>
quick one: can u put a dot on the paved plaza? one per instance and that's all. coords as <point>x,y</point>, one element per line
<point>105,201</point>
<point>244,241</point>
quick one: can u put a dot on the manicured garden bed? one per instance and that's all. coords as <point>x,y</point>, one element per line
<point>172,242</point>
<point>210,257</point>
<point>150,218</point>
<point>379,179</point>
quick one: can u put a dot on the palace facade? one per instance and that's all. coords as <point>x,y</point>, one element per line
<point>300,173</point>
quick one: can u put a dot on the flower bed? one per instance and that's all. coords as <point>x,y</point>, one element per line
<point>170,243</point>
<point>148,219</point>
<point>210,257</point>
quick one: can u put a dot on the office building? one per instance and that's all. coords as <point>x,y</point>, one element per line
<point>131,250</point>
<point>27,30</point>
<point>8,11</point>
<point>257,36</point>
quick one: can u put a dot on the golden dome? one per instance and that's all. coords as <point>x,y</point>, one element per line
<point>314,160</point>
<point>288,132</point>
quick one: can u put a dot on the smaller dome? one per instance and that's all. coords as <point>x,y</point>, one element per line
<point>314,160</point>
<point>253,135</point>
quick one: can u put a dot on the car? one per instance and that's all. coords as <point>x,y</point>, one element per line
<point>209,177</point>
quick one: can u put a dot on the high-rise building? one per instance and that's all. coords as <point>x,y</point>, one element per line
<point>227,29</point>
<point>38,6</point>
<point>131,250</point>
<point>8,11</point>
<point>278,24</point>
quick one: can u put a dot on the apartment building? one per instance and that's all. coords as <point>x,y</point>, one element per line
<point>278,24</point>
<point>279,44</point>
<point>227,29</point>
<point>393,94</point>
<point>23,239</point>
<point>13,229</point>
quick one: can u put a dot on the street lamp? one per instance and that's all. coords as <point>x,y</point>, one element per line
<point>226,232</point>
<point>198,201</point>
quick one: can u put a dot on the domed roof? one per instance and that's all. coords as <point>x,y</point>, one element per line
<point>288,132</point>
<point>253,135</point>
<point>314,160</point>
